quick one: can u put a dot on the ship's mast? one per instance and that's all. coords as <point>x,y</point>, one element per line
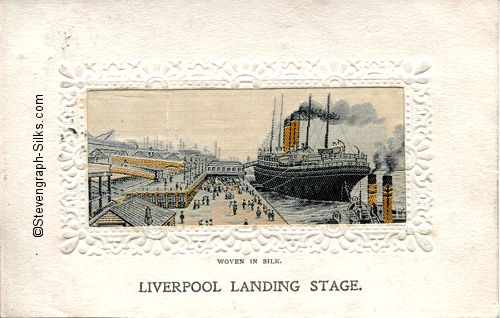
<point>272,128</point>
<point>308,122</point>
<point>327,119</point>
<point>279,131</point>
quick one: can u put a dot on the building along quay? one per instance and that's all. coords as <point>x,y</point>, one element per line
<point>176,189</point>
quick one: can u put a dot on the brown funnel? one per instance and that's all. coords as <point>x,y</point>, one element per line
<point>372,189</point>
<point>287,138</point>
<point>388,190</point>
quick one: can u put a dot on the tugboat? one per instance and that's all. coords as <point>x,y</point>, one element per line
<point>371,212</point>
<point>329,174</point>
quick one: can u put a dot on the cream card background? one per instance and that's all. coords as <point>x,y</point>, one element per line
<point>457,278</point>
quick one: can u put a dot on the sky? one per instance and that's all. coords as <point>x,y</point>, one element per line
<point>239,120</point>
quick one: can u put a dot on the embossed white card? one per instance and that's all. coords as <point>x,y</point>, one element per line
<point>279,159</point>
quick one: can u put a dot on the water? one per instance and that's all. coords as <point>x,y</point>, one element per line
<point>299,211</point>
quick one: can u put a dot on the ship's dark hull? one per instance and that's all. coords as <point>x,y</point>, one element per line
<point>323,183</point>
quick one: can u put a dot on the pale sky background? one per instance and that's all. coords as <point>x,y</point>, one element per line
<point>239,120</point>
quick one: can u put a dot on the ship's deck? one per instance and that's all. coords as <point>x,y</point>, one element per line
<point>314,161</point>
<point>312,164</point>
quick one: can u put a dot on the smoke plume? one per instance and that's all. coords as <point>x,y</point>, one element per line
<point>391,152</point>
<point>341,112</point>
<point>378,156</point>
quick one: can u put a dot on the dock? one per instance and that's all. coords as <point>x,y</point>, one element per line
<point>210,193</point>
<point>219,211</point>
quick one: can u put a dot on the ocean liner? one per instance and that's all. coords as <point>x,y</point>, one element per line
<point>328,174</point>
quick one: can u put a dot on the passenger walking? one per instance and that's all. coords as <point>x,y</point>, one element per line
<point>182,217</point>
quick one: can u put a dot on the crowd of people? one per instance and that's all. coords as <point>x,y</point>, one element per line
<point>234,186</point>
<point>206,223</point>
<point>233,189</point>
<point>205,201</point>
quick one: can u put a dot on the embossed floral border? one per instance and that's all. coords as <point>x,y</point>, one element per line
<point>78,77</point>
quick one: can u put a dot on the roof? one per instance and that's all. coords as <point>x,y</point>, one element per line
<point>97,152</point>
<point>110,143</point>
<point>149,168</point>
<point>224,163</point>
<point>133,211</point>
<point>190,151</point>
<point>141,153</point>
<point>173,157</point>
<point>157,155</point>
<point>105,135</point>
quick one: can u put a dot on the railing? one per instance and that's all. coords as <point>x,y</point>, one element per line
<point>182,197</point>
<point>316,157</point>
<point>319,164</point>
<point>249,164</point>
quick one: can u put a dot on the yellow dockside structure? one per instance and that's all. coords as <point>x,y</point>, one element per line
<point>132,172</point>
<point>170,199</point>
<point>148,162</point>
